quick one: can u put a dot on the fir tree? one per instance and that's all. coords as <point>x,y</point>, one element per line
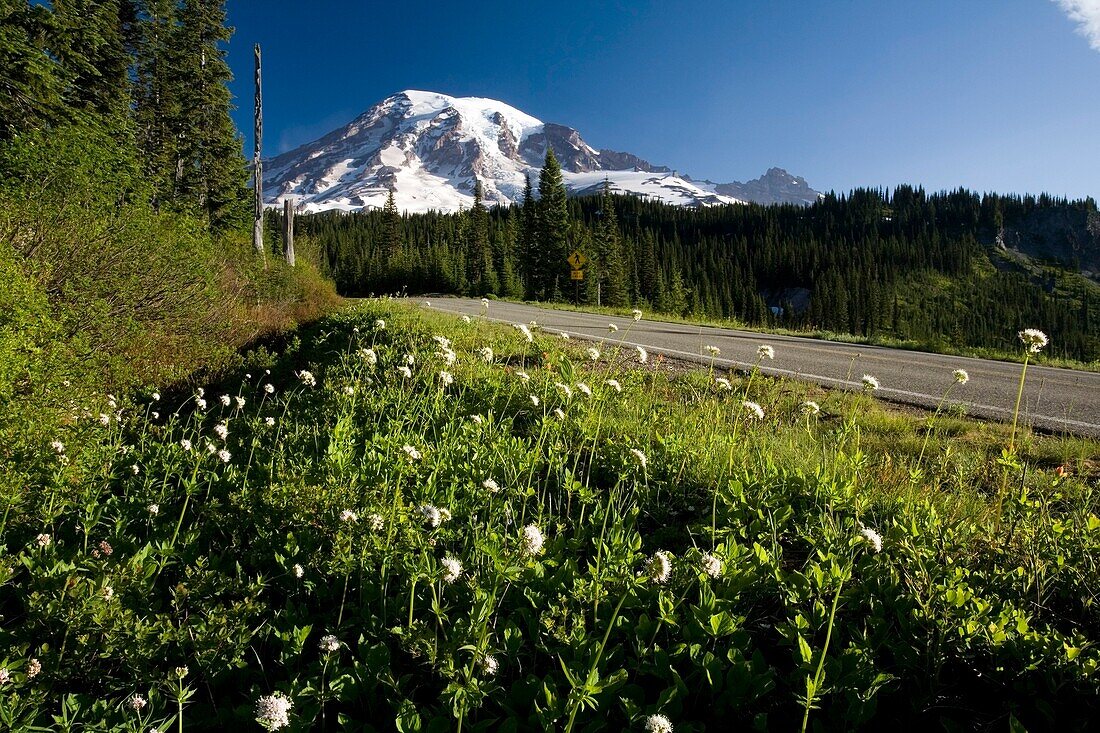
<point>553,227</point>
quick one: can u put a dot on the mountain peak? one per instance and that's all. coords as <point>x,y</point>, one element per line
<point>430,149</point>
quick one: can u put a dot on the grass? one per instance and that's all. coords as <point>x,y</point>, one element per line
<point>408,532</point>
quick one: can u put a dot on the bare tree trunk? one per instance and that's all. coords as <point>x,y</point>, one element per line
<point>288,230</point>
<point>258,168</point>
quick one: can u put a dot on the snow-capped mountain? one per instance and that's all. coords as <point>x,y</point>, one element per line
<point>430,149</point>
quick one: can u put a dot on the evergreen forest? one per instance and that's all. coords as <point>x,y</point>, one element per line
<point>903,265</point>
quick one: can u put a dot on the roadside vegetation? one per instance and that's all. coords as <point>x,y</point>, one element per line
<point>400,519</point>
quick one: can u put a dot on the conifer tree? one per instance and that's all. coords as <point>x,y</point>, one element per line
<point>527,239</point>
<point>553,227</point>
<point>480,272</point>
<point>392,230</point>
<point>31,82</point>
<point>612,271</point>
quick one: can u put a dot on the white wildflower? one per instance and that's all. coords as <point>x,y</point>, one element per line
<point>636,314</point>
<point>524,376</point>
<point>443,341</point>
<point>349,516</point>
<point>532,540</point>
<point>559,413</point>
<point>565,389</point>
<point>810,407</point>
<point>444,514</point>
<point>452,569</point>
<point>135,469</point>
<point>298,570</point>
<point>593,353</point>
<point>1033,339</point>
<point>960,375</point>
<point>153,509</point>
<point>226,400</point>
<point>273,711</point>
<point>446,378</point>
<point>34,668</point>
<point>723,384</point>
<point>136,702</point>
<point>564,336</point>
<point>269,388</point>
<point>155,396</point>
<point>756,410</point>
<point>713,350</point>
<point>375,522</point>
<point>491,485</point>
<point>185,444</point>
<point>640,456</point>
<point>659,567</point>
<point>405,372</point>
<point>221,430</point>
<point>614,384</point>
<point>466,319</point>
<point>369,356</point>
<point>534,400</point>
<point>409,359</point>
<point>349,390</point>
<point>431,515</point>
<point>485,303</point>
<point>200,403</point>
<point>870,384</point>
<point>711,565</point>
<point>240,402</point>
<point>486,354</point>
<point>873,537</point>
<point>584,389</point>
<point>43,540</point>
<point>58,447</point>
<point>307,378</point>
<point>658,724</point>
<point>489,665</point>
<point>763,351</point>
<point>477,419</point>
<point>380,324</point>
<point>522,328</point>
<point>612,328</point>
<point>108,592</point>
<point>224,455</point>
<point>329,644</point>
<point>104,419</point>
<point>643,355</point>
<point>411,452</point>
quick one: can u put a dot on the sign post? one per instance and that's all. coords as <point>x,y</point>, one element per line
<point>577,261</point>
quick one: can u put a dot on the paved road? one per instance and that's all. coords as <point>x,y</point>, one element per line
<point>1057,400</point>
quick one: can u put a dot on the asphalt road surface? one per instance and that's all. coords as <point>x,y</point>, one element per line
<point>1055,400</point>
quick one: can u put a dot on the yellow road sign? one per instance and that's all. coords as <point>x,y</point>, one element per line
<point>576,275</point>
<point>576,260</point>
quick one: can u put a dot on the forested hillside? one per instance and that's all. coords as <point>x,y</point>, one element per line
<point>123,204</point>
<point>955,269</point>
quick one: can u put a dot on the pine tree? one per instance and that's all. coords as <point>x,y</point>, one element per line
<point>211,173</point>
<point>479,255</point>
<point>31,82</point>
<point>89,45</point>
<point>392,231</point>
<point>528,244</point>
<point>553,228</point>
<point>612,272</point>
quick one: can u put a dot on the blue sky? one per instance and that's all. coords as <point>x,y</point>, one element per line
<point>995,96</point>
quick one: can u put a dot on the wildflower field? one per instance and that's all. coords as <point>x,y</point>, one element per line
<point>400,520</point>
